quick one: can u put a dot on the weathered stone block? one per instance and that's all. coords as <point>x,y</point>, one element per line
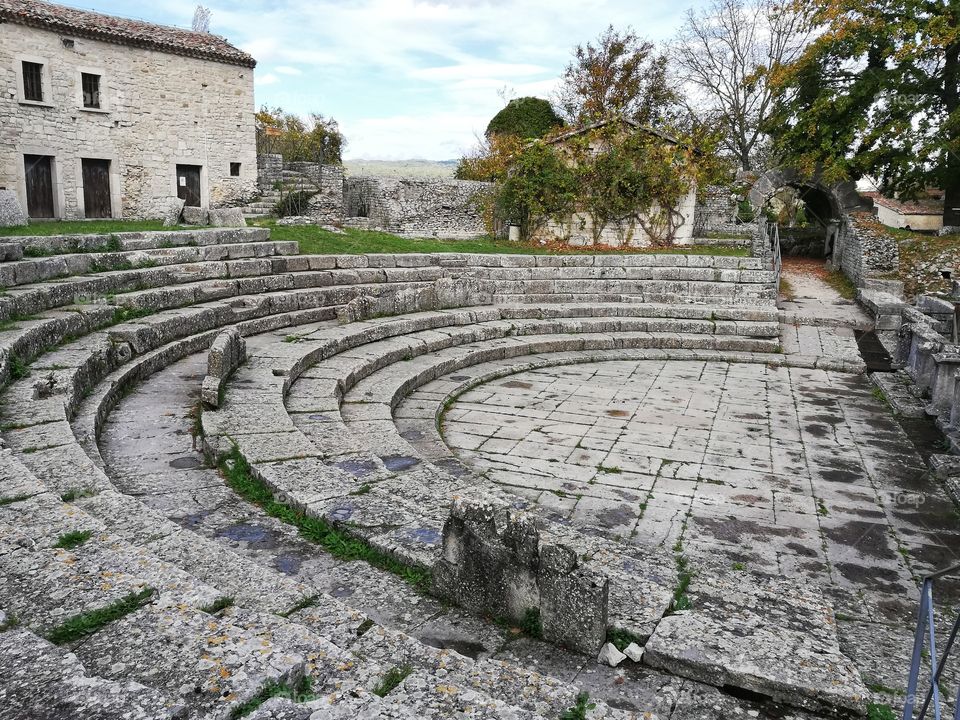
<point>195,215</point>
<point>11,214</point>
<point>227,353</point>
<point>173,211</point>
<point>227,217</point>
<point>495,563</point>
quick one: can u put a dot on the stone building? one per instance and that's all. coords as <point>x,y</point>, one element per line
<point>108,117</point>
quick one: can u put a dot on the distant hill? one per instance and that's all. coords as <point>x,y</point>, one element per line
<point>402,168</point>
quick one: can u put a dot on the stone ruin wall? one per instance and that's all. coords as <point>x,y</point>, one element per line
<point>327,181</point>
<point>439,208</point>
<point>716,212</point>
<point>862,252</point>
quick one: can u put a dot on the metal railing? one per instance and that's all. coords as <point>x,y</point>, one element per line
<point>773,233</point>
<point>925,632</point>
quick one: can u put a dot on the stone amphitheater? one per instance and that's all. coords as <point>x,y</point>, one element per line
<point>238,481</point>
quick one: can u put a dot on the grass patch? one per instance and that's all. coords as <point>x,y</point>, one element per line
<point>221,603</point>
<point>681,600</point>
<point>300,605</point>
<point>362,490</point>
<point>822,508</point>
<point>335,541</point>
<point>70,540</point>
<point>609,470</point>
<point>83,227</point>
<point>786,290</point>
<point>9,500</point>
<point>739,566</point>
<point>579,710</point>
<point>125,314</point>
<point>76,494</point>
<point>394,677</point>
<point>314,240</point>
<point>842,284</point>
<point>877,711</point>
<point>10,623</point>
<point>299,693</point>
<point>89,622</point>
<point>18,367</point>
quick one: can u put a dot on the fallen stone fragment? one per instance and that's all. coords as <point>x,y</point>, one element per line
<point>634,652</point>
<point>609,655</point>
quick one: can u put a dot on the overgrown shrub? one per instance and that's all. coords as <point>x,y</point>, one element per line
<point>294,203</point>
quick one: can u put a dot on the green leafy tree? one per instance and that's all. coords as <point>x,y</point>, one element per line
<point>540,186</point>
<point>877,93</point>
<point>618,74</point>
<point>526,117</point>
<point>317,139</point>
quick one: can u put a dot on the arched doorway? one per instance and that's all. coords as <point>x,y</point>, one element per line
<point>810,211</point>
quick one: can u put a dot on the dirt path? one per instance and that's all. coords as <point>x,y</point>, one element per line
<point>807,297</point>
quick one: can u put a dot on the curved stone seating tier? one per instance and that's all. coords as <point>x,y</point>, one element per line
<point>139,240</point>
<point>327,442</point>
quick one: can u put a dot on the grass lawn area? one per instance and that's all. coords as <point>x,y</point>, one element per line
<point>317,241</point>
<point>83,227</point>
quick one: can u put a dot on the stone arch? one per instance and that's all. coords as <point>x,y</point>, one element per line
<point>829,203</point>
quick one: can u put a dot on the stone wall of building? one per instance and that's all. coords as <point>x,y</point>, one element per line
<point>716,213</point>
<point>158,110</point>
<point>425,208</point>
<point>863,251</point>
<point>579,231</point>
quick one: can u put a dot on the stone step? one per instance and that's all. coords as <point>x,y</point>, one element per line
<point>33,270</point>
<point>41,680</point>
<point>62,244</point>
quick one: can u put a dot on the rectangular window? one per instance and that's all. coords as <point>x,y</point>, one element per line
<point>91,90</point>
<point>235,169</point>
<point>33,81</point>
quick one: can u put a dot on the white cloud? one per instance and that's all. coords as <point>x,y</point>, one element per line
<point>411,78</point>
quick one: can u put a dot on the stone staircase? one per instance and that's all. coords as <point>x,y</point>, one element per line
<point>263,206</point>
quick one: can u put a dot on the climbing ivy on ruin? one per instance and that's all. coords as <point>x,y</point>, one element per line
<point>613,177</point>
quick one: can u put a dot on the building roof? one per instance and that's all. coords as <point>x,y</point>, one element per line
<point>924,206</point>
<point>122,31</point>
<point>603,123</point>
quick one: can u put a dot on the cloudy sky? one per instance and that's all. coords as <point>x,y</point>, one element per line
<point>407,78</point>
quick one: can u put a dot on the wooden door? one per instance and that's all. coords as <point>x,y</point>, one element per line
<point>188,184</point>
<point>96,188</point>
<point>39,176</point>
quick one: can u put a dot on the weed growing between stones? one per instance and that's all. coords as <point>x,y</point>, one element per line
<point>221,603</point>
<point>125,314</point>
<point>18,367</point>
<point>394,677</point>
<point>530,625</point>
<point>621,638</point>
<point>319,531</point>
<point>76,494</point>
<point>300,693</point>
<point>579,710</point>
<point>89,622</point>
<point>363,489</point>
<point>684,576</point>
<point>877,711</point>
<point>611,470</point>
<point>10,623</point>
<point>300,605</point>
<point>14,499</point>
<point>70,540</point>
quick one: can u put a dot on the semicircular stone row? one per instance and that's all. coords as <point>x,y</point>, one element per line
<point>188,628</point>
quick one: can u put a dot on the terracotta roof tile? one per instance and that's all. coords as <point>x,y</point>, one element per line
<point>95,26</point>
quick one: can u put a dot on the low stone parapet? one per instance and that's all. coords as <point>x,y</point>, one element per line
<point>227,353</point>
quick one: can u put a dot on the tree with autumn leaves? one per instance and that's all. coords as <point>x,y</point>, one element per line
<point>876,94</point>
